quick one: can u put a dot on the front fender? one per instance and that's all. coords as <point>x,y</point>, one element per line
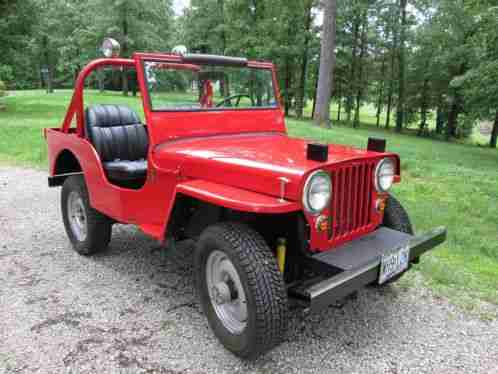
<point>235,198</point>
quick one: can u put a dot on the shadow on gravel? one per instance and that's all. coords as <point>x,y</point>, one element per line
<point>358,321</point>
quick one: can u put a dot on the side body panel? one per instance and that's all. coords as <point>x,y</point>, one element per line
<point>147,207</point>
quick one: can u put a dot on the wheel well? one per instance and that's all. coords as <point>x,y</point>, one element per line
<point>191,216</point>
<point>66,163</point>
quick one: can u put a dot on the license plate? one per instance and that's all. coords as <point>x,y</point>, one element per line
<point>394,263</point>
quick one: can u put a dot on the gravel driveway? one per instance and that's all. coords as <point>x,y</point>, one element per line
<point>133,309</point>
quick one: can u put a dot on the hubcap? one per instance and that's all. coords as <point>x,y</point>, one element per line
<point>225,292</point>
<point>77,215</point>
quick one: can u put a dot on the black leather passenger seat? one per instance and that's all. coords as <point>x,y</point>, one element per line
<point>120,139</point>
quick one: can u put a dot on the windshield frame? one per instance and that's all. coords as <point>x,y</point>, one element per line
<point>177,65</point>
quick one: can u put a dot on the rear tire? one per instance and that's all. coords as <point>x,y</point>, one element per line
<point>258,284</point>
<point>89,231</point>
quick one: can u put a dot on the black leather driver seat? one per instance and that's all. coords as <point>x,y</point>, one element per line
<point>120,140</point>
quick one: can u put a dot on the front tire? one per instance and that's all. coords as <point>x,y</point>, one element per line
<point>89,231</point>
<point>396,218</point>
<point>241,290</point>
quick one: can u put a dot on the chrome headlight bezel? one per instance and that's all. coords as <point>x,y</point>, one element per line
<point>380,171</point>
<point>308,206</point>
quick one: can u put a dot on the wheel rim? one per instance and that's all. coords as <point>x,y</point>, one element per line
<point>226,292</point>
<point>77,215</point>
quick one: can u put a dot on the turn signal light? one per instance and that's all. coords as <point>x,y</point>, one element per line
<point>322,223</point>
<point>381,205</point>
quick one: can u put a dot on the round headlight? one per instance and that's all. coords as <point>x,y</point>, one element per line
<point>317,192</point>
<point>384,175</point>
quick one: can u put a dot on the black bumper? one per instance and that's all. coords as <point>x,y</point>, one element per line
<point>357,264</point>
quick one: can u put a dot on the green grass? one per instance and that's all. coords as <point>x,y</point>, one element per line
<point>28,112</point>
<point>368,116</point>
<point>455,185</point>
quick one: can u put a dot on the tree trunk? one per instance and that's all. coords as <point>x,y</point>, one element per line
<point>77,67</point>
<point>381,90</point>
<point>124,75</point>
<point>339,101</point>
<point>393,72</point>
<point>287,86</point>
<point>101,76</point>
<point>316,90</point>
<point>327,61</point>
<point>455,109</point>
<point>300,98</point>
<point>259,10</point>
<point>352,76</point>
<point>494,133</point>
<point>48,74</point>
<point>453,118</point>
<point>439,116</point>
<point>40,78</point>
<point>356,122</point>
<point>221,8</point>
<point>423,108</point>
<point>400,117</point>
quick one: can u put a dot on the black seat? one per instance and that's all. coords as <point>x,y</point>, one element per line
<point>120,140</point>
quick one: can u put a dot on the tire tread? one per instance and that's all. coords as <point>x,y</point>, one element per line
<point>266,281</point>
<point>99,227</point>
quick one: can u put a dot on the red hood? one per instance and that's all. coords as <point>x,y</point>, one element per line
<point>251,161</point>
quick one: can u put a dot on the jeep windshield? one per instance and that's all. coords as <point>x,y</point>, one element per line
<point>189,87</point>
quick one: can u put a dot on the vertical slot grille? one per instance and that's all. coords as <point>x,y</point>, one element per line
<point>352,199</point>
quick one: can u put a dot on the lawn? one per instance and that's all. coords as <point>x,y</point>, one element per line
<point>455,185</point>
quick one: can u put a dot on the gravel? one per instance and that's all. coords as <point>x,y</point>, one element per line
<point>133,309</point>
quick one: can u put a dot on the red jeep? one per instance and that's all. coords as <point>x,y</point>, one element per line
<point>276,219</point>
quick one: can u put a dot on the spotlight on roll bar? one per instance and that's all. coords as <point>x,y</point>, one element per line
<point>111,48</point>
<point>179,50</point>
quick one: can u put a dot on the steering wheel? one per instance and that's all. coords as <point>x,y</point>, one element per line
<point>233,97</point>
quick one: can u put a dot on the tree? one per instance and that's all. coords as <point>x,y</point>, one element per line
<point>137,24</point>
<point>359,80</point>
<point>65,34</point>
<point>478,84</point>
<point>300,97</point>
<point>327,58</point>
<point>16,27</point>
<point>394,47</point>
<point>401,63</point>
<point>354,11</point>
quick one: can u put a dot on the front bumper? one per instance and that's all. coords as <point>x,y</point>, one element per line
<point>357,264</point>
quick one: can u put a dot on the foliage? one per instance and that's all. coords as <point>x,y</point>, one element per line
<point>479,83</point>
<point>15,31</point>
<point>63,35</point>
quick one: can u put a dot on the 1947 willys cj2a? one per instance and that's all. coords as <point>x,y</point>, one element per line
<point>275,218</point>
